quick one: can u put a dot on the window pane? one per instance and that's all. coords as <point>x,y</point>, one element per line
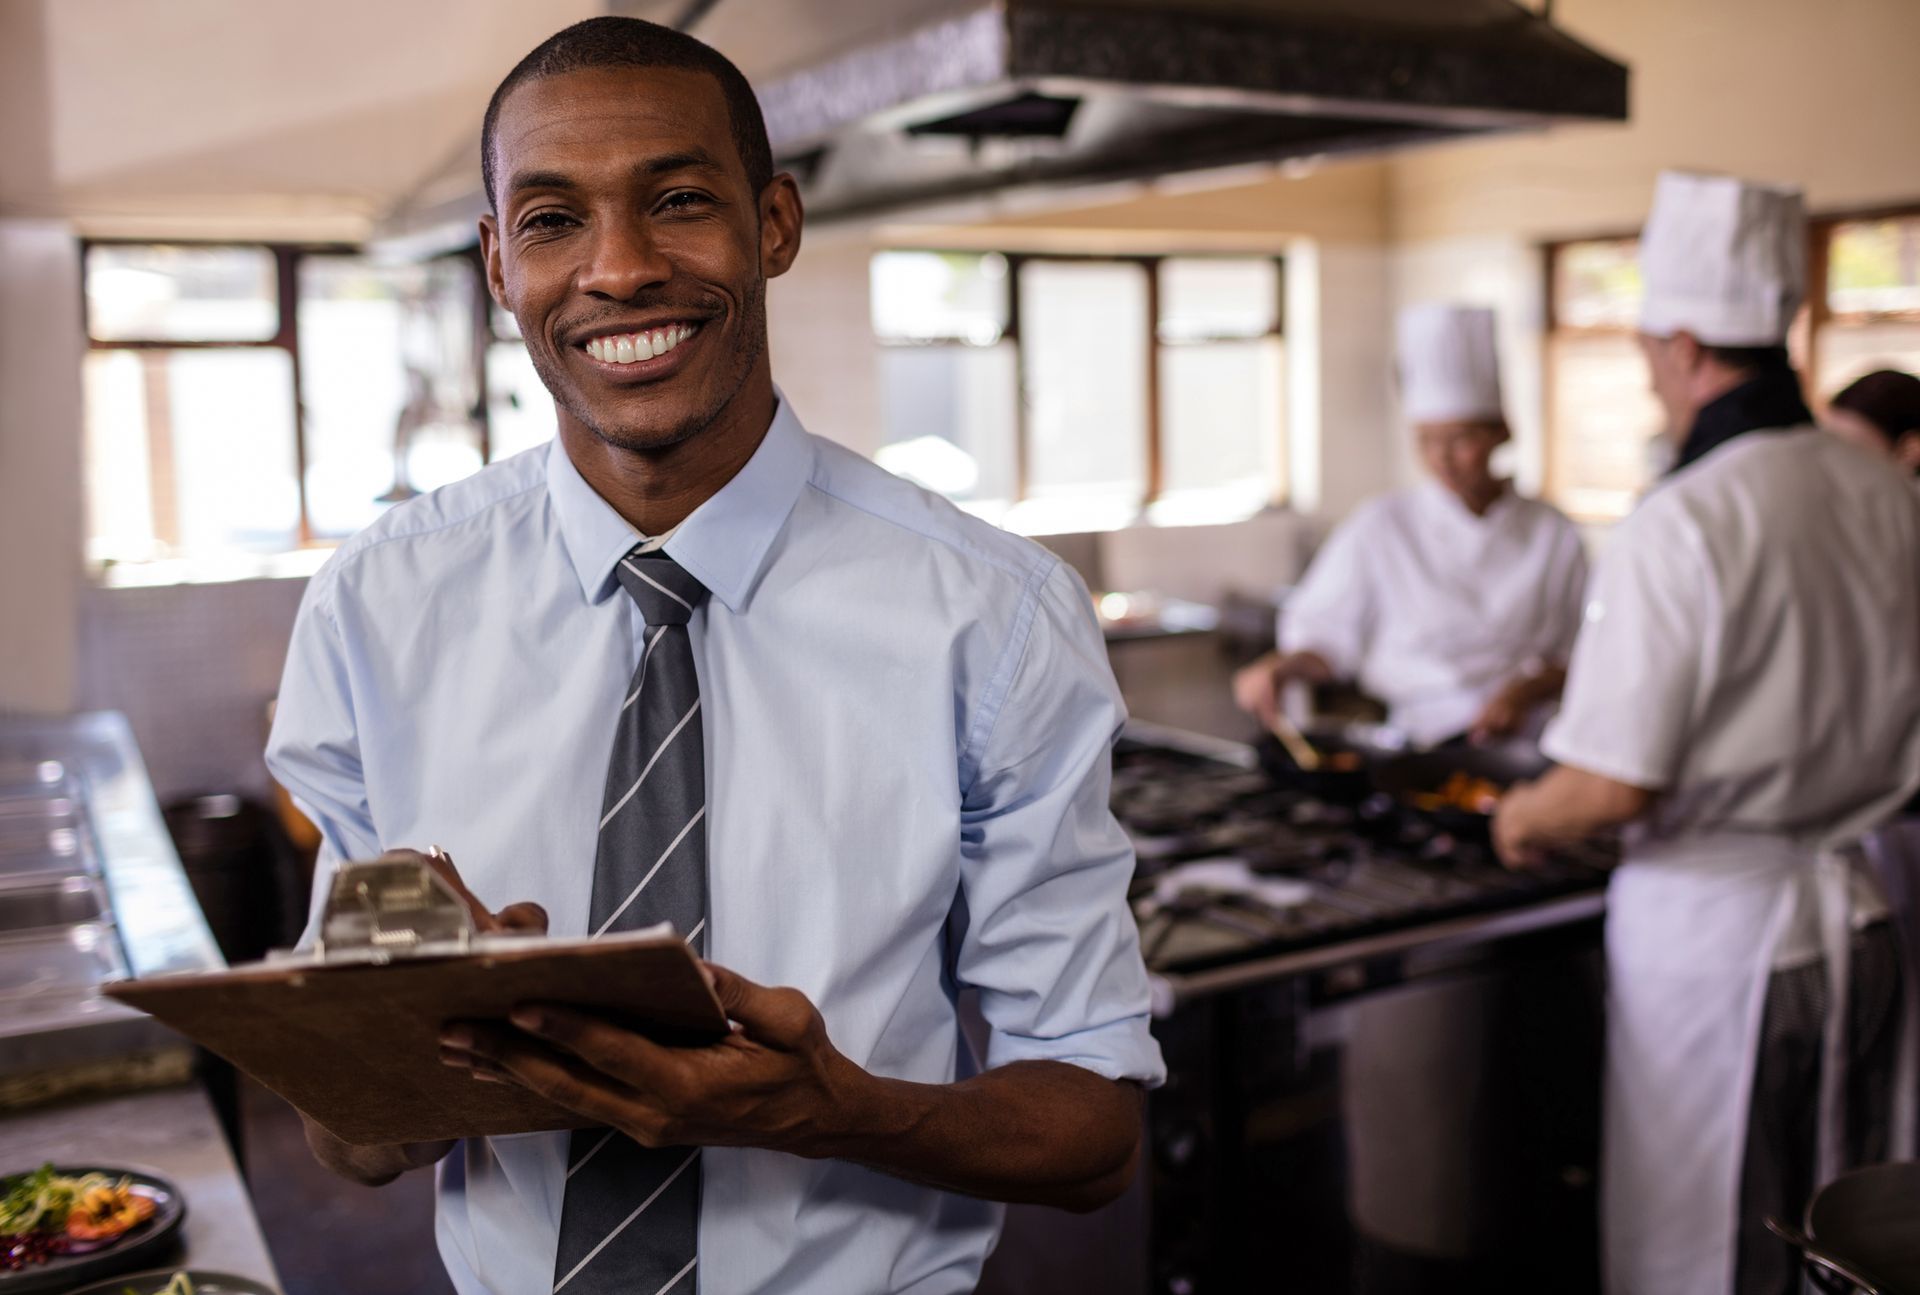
<point>1084,336</point>
<point>948,414</point>
<point>170,293</point>
<point>190,454</point>
<point>1218,297</point>
<point>519,410</point>
<point>1849,351</point>
<point>1220,419</point>
<point>1597,284</point>
<point>1604,422</point>
<point>1874,266</point>
<point>939,296</point>
<point>387,377</point>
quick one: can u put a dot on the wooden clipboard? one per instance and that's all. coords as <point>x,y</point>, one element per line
<point>355,1046</point>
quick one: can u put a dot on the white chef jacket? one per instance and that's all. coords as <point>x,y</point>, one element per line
<point>1752,651</point>
<point>1433,609</point>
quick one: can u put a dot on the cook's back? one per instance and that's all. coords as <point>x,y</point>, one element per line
<point>1805,716</point>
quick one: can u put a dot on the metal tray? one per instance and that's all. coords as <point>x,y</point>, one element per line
<point>69,901</point>
<point>41,970</point>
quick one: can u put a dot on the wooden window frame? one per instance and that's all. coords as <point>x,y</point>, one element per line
<point>287,259</point>
<point>1155,449</point>
<point>1820,315</point>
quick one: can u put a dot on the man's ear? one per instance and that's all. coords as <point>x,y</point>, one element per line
<point>1685,351</point>
<point>490,255</point>
<point>781,216</point>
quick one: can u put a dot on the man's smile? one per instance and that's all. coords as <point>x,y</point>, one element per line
<point>644,353</point>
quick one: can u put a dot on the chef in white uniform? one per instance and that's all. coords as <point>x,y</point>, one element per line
<point>1455,602</point>
<point>1745,698</point>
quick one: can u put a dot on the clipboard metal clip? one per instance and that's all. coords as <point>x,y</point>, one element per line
<point>393,906</point>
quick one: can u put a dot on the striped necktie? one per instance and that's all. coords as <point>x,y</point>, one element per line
<point>631,1216</point>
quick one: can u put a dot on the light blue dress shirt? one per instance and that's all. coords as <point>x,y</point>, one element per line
<point>908,716</point>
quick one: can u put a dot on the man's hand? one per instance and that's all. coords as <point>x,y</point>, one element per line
<point>1513,830</point>
<point>1502,716</point>
<point>775,1082</point>
<point>370,1166</point>
<point>375,1165</point>
<point>1037,1131</point>
<point>1506,713</point>
<point>1565,806</point>
<point>1256,687</point>
<point>526,917</point>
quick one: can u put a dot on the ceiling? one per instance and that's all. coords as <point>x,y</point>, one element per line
<point>243,118</point>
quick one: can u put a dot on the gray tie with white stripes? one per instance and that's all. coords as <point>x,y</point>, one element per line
<point>631,1215</point>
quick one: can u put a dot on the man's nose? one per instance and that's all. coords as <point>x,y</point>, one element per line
<point>625,259</point>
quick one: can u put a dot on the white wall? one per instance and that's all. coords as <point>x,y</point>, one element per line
<point>1821,93</point>
<point>820,335</point>
<point>40,493</point>
<point>1357,429</point>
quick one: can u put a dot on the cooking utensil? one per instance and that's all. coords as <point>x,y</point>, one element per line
<point>1863,1230</point>
<point>141,1246</point>
<point>1295,741</point>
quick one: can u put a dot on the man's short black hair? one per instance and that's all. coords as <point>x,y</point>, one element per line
<point>630,42</point>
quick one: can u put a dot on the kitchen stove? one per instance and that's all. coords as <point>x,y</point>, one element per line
<point>1358,870</point>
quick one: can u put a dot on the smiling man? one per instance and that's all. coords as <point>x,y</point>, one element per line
<point>691,664</point>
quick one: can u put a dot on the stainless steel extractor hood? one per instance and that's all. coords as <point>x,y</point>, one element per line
<point>999,94</point>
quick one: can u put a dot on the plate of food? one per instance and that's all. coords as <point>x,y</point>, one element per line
<point>61,1225</point>
<point>191,1281</point>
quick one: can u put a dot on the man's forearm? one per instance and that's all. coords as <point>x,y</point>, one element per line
<point>1037,1132</point>
<point>1544,685</point>
<point>1306,666</point>
<point>1568,805</point>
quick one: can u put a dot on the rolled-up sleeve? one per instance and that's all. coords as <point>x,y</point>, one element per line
<point>1049,941</point>
<point>314,749</point>
<point>1637,665</point>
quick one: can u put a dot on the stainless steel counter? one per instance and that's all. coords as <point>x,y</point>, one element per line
<point>90,890</point>
<point>173,1133</point>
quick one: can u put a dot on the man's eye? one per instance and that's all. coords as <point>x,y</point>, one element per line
<point>547,220</point>
<point>684,199</point>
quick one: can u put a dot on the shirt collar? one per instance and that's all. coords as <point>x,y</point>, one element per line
<point>1770,401</point>
<point>723,543</point>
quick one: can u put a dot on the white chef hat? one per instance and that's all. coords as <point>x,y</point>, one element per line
<point>1723,259</point>
<point>1449,367</point>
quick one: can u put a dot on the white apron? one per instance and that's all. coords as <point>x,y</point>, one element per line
<point>1692,928</point>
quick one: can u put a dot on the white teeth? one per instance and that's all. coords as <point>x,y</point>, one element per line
<point>631,348</point>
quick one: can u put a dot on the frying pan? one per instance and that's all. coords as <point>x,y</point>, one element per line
<point>1403,774</point>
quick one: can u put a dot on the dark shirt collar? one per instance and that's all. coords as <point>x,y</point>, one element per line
<point>1770,401</point>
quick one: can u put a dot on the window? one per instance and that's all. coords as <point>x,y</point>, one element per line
<point>1869,317</point>
<point>244,401</point>
<point>1863,313</point>
<point>1602,417</point>
<point>1057,394</point>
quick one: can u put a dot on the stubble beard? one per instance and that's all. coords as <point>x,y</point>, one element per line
<point>652,440</point>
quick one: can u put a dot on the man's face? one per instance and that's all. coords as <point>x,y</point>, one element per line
<point>1459,454</point>
<point>631,248</point>
<point>1670,365</point>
